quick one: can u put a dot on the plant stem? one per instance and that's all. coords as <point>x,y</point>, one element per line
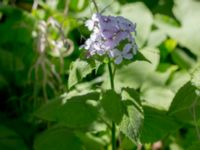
<point>95,5</point>
<point>113,136</point>
<point>111,74</point>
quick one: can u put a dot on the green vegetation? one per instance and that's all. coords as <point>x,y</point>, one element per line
<point>52,97</point>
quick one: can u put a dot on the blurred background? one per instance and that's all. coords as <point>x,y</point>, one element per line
<point>39,51</point>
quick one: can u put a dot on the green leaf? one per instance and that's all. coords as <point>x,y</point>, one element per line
<point>10,62</point>
<point>77,111</point>
<point>57,139</point>
<point>156,125</point>
<point>91,142</point>
<point>9,140</point>
<point>78,70</point>
<point>185,105</point>
<point>132,75</point>
<point>182,59</point>
<point>140,57</point>
<point>178,79</point>
<point>3,82</point>
<point>158,97</point>
<point>78,5</point>
<point>194,146</point>
<point>196,77</point>
<point>113,106</point>
<point>155,92</point>
<point>142,16</point>
<point>132,120</point>
<point>156,38</point>
<point>187,34</point>
<point>17,28</point>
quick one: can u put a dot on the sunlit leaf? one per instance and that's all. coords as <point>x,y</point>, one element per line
<point>140,14</point>
<point>132,120</point>
<point>186,33</point>
<point>77,111</point>
<point>78,70</point>
<point>135,73</point>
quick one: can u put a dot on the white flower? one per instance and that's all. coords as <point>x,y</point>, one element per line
<point>107,34</point>
<point>89,24</point>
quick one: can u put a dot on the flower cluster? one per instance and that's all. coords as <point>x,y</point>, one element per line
<point>111,36</point>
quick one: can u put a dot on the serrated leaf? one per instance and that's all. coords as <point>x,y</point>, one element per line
<point>156,125</point>
<point>78,70</point>
<point>132,120</point>
<point>77,111</point>
<point>57,139</point>
<point>112,104</point>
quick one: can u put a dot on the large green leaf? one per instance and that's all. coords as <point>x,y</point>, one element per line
<point>188,34</point>
<point>9,140</point>
<point>57,139</point>
<point>194,146</point>
<point>182,59</point>
<point>132,120</point>
<point>17,26</point>
<point>135,73</point>
<point>91,142</point>
<point>154,90</point>
<point>185,105</point>
<point>77,111</point>
<point>158,97</point>
<point>156,125</point>
<point>178,79</point>
<point>141,15</point>
<point>156,38</point>
<point>113,106</point>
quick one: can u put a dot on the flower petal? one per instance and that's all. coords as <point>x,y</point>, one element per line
<point>128,56</point>
<point>127,48</point>
<point>118,60</point>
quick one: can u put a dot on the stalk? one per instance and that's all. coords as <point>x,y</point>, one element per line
<point>111,75</point>
<point>95,5</point>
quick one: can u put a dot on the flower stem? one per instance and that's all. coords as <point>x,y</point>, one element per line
<point>95,5</point>
<point>111,74</point>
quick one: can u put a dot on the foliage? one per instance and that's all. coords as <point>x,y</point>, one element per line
<point>53,97</point>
